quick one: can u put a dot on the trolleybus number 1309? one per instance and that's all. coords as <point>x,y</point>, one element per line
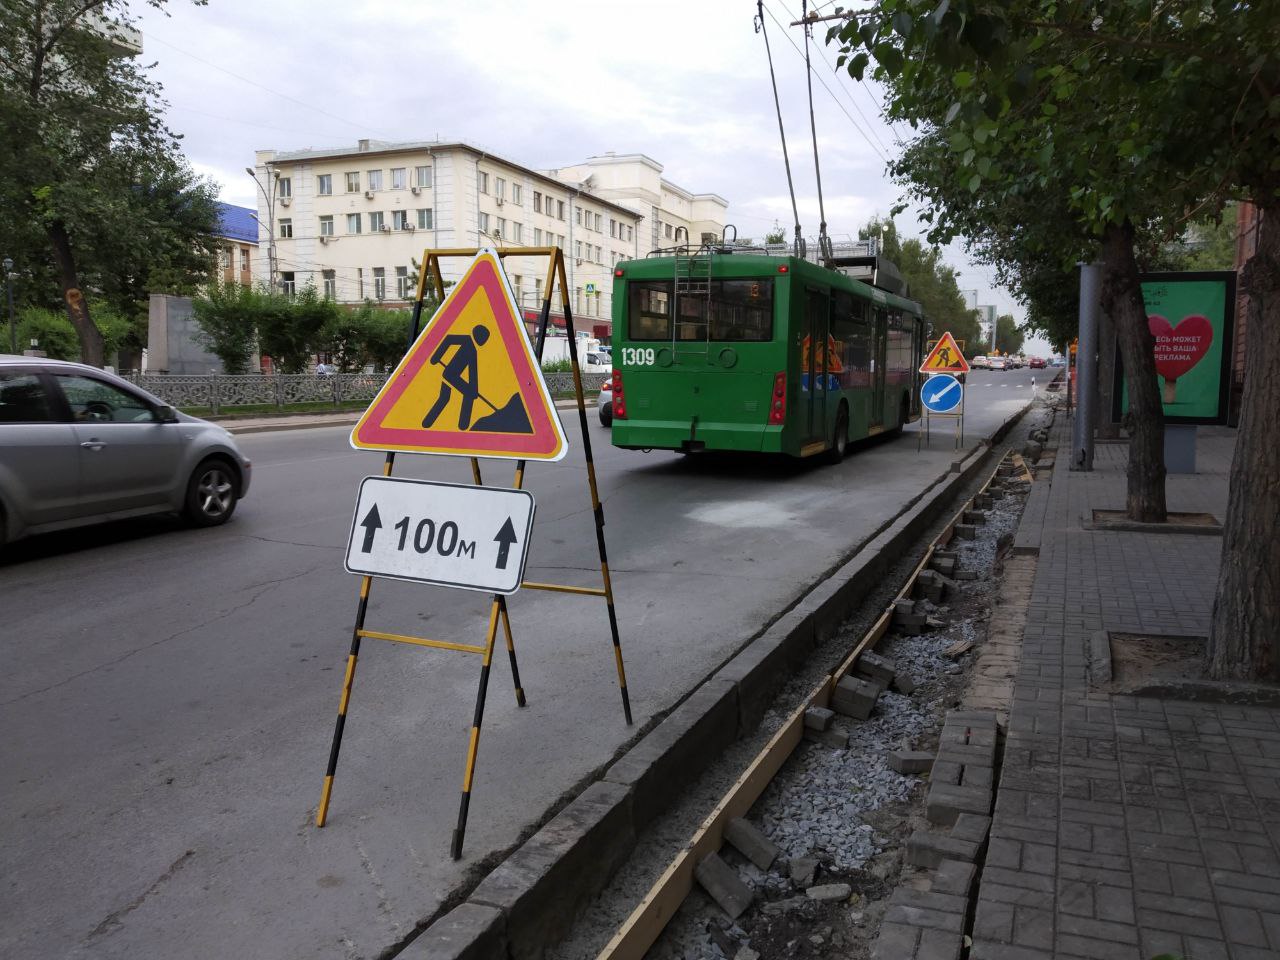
<point>637,356</point>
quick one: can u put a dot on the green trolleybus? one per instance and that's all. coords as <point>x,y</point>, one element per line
<point>725,349</point>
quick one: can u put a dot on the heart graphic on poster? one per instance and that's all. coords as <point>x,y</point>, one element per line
<point>1180,348</point>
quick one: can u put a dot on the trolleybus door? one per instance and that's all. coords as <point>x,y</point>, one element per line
<point>879,343</point>
<point>814,362</point>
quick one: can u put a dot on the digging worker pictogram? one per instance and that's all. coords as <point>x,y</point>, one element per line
<point>460,374</point>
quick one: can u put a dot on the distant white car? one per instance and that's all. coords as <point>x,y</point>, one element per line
<point>978,363</point>
<point>997,363</point>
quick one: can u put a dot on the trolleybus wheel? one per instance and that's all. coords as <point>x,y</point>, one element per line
<point>904,413</point>
<point>840,440</point>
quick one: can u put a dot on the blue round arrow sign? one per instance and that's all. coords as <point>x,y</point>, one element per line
<point>941,393</point>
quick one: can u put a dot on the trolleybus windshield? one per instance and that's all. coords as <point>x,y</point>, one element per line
<point>722,311</point>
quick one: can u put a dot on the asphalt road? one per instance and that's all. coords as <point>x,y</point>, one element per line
<point>169,694</point>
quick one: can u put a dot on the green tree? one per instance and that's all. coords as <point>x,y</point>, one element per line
<point>776,235</point>
<point>291,328</point>
<point>55,335</point>
<point>95,198</point>
<point>1151,115</point>
<point>1009,338</point>
<point>228,316</point>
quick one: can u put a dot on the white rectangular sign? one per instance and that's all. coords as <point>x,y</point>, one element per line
<point>448,534</point>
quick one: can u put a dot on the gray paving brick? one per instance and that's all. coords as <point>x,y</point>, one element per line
<point>1033,927</point>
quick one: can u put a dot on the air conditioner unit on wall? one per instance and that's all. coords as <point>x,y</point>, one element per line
<point>415,190</point>
<point>324,239</point>
<point>408,226</point>
<point>368,194</point>
<point>285,201</point>
<point>384,228</point>
<point>498,200</point>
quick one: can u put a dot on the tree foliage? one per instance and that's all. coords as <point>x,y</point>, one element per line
<point>1009,338</point>
<point>97,204</point>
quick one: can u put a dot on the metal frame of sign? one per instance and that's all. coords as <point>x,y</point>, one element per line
<point>924,434</point>
<point>498,608</point>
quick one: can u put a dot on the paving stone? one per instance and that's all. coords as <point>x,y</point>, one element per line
<point>751,843</point>
<point>802,871</point>
<point>818,718</point>
<point>878,668</point>
<point>724,886</point>
<point>909,762</point>
<point>954,877</point>
<point>854,698</point>
<point>829,892</point>
<point>925,849</point>
<point>945,803</point>
<point>939,945</point>
<point>972,827</point>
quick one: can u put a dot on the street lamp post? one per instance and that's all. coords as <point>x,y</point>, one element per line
<point>269,195</point>
<point>13,323</point>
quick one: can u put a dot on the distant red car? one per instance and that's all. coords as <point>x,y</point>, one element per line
<point>1037,363</point>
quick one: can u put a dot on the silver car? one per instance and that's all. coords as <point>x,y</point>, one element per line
<point>79,445</point>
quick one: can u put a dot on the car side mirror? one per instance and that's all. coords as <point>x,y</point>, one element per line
<point>166,414</point>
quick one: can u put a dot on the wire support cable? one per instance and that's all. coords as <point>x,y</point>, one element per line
<point>824,242</point>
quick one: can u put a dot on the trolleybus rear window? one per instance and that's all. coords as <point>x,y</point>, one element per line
<point>732,311</point>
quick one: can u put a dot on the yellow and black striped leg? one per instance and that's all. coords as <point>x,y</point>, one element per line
<point>511,650</point>
<point>474,745</point>
<point>322,812</point>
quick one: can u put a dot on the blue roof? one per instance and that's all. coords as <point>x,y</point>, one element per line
<point>237,223</point>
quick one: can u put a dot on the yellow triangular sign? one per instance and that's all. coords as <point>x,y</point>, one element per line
<point>945,357</point>
<point>470,385</point>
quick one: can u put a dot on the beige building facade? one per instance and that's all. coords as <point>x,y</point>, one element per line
<point>353,221</point>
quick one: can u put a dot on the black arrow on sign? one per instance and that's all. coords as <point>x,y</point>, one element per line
<point>505,538</point>
<point>372,523</point>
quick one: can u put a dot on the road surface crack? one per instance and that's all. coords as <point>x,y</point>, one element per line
<point>116,917</point>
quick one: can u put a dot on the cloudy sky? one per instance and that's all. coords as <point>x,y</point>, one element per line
<point>544,84</point>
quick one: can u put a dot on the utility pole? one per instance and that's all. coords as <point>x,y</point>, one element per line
<point>13,323</point>
<point>269,195</point>
<point>1086,367</point>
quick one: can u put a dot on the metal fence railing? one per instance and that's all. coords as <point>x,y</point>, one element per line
<point>217,392</point>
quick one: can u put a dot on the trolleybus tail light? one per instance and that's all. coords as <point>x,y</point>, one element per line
<point>619,399</point>
<point>617,272</point>
<point>783,269</point>
<point>778,401</point>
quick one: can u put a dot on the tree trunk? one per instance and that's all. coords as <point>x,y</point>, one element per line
<point>1121,292</point>
<point>1244,637</point>
<point>1107,429</point>
<point>91,346</point>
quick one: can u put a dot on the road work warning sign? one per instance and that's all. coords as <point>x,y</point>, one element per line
<point>470,385</point>
<point>945,357</point>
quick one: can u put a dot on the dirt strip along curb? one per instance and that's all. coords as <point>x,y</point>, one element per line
<point>531,899</point>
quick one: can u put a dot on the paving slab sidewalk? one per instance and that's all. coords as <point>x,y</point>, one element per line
<point>1128,827</point>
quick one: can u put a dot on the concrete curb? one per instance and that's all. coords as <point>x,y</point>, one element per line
<point>541,887</point>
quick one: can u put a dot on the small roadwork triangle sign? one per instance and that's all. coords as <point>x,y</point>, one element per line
<point>470,385</point>
<point>945,357</point>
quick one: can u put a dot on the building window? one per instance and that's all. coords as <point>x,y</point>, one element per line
<point>484,222</point>
<point>577,249</point>
<point>288,284</point>
<point>577,299</point>
<point>499,188</point>
<point>517,283</point>
<point>666,230</point>
<point>380,283</point>
<point>284,187</point>
<point>537,290</point>
<point>500,227</point>
<point>482,181</point>
<point>402,283</point>
<point>598,220</point>
<point>537,237</point>
<point>353,182</point>
<point>375,179</point>
<point>422,176</point>
<point>359,283</point>
<point>244,259</point>
<point>324,184</point>
<point>375,221</point>
<point>286,229</point>
<point>560,240</point>
<point>353,223</point>
<point>398,178</point>
<point>629,233</point>
<point>424,218</point>
<point>399,219</point>
<point>517,232</point>
<point>226,258</point>
<point>559,209</point>
<point>577,216</point>
<point>537,202</point>
<point>613,226</point>
<point>330,284</point>
<point>326,226</point>
<point>516,194</point>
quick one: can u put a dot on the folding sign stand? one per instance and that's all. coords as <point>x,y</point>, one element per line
<point>498,608</point>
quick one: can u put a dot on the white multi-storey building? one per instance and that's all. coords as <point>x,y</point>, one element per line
<point>354,221</point>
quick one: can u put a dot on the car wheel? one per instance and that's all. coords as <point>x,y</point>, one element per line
<point>840,439</point>
<point>211,493</point>
<point>606,416</point>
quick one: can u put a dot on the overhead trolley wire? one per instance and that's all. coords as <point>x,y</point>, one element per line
<point>871,143</point>
<point>795,211</point>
